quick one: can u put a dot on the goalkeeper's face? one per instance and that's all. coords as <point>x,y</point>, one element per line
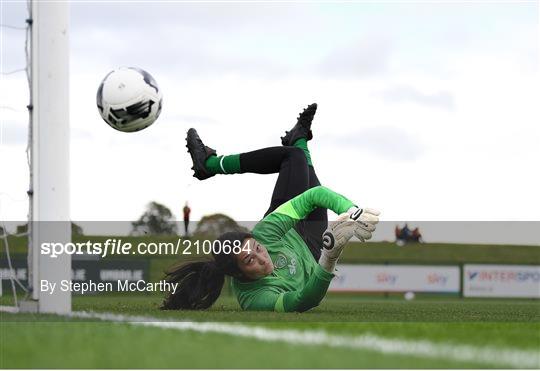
<point>254,261</point>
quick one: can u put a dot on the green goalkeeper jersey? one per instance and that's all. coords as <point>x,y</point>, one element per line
<point>298,282</point>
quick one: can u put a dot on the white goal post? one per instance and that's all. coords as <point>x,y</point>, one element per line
<point>49,218</point>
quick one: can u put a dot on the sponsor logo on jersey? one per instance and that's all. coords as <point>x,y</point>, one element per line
<point>292,266</point>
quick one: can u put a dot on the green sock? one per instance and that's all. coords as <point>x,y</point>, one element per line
<point>302,144</point>
<point>223,164</point>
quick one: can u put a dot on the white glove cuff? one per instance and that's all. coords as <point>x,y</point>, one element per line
<point>327,263</point>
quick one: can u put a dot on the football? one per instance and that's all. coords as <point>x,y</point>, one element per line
<point>129,99</point>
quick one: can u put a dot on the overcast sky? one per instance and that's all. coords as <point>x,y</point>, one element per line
<point>427,110</point>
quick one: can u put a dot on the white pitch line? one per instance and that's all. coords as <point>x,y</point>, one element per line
<point>420,348</point>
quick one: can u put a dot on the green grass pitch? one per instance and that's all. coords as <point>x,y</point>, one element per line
<point>504,327</point>
<point>30,341</point>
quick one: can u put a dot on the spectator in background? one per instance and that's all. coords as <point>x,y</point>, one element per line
<point>416,236</point>
<point>404,235</point>
<point>187,211</point>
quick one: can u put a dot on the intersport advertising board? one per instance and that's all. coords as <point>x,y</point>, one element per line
<point>396,278</point>
<point>501,281</point>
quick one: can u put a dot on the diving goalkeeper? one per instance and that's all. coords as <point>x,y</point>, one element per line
<point>293,250</point>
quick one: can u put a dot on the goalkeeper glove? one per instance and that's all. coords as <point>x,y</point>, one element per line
<point>366,220</point>
<point>334,240</point>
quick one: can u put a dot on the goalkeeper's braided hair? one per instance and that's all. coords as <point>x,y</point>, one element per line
<point>200,282</point>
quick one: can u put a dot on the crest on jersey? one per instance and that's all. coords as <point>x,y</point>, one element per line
<point>281,261</point>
